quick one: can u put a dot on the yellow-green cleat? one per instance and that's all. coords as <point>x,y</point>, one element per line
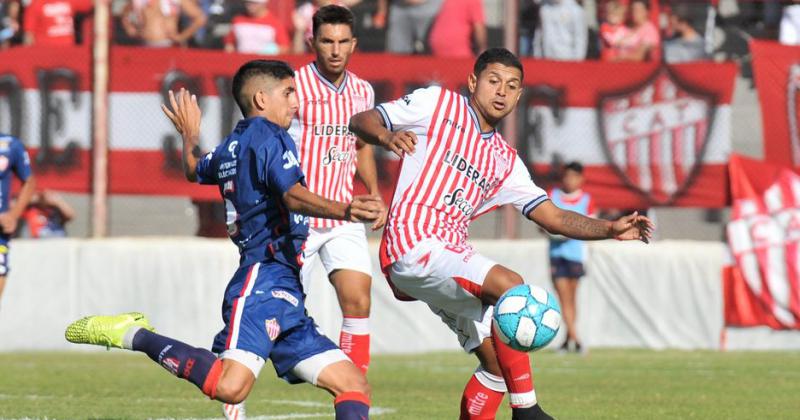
<point>105,330</point>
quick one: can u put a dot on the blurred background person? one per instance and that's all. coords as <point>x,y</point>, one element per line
<point>9,21</point>
<point>156,23</point>
<point>455,27</point>
<point>257,31</point>
<point>46,216</point>
<point>567,256</point>
<point>644,41</point>
<point>613,31</point>
<point>686,43</point>
<point>789,33</point>
<point>562,33</point>
<point>409,22</point>
<point>52,22</point>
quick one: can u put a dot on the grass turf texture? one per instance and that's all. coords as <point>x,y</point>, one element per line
<point>621,384</point>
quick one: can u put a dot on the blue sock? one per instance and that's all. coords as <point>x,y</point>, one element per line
<point>198,366</point>
<point>352,406</point>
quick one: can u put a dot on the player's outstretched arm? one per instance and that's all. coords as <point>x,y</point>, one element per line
<point>185,115</point>
<point>363,208</point>
<point>578,226</point>
<point>368,126</point>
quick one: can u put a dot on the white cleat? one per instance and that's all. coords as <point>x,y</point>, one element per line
<point>234,411</point>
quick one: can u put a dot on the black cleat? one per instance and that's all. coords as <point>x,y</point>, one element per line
<point>529,413</point>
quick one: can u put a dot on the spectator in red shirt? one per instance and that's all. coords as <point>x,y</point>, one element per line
<point>257,32</point>
<point>644,42</point>
<point>51,22</point>
<point>457,20</point>
<point>613,32</point>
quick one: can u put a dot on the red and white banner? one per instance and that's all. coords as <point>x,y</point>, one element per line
<point>647,135</point>
<point>776,71</point>
<point>762,287</point>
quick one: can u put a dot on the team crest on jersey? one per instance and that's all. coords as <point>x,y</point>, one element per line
<point>793,110</point>
<point>4,146</point>
<point>273,328</point>
<point>3,163</point>
<point>655,134</point>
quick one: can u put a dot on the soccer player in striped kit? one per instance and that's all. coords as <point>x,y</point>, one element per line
<point>455,168</point>
<point>330,156</point>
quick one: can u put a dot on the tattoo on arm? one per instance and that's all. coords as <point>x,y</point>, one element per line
<point>197,152</point>
<point>578,226</point>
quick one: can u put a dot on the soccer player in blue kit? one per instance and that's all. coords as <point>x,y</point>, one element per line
<point>14,160</point>
<point>267,203</point>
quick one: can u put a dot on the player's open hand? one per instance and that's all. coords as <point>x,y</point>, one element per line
<point>365,208</point>
<point>400,142</point>
<point>184,113</point>
<point>633,227</point>
<point>8,223</point>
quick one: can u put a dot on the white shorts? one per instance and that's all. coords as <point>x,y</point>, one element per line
<point>449,280</point>
<point>342,247</point>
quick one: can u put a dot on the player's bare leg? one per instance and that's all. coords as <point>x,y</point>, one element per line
<point>514,365</point>
<point>235,382</point>
<point>349,387</point>
<point>2,286</point>
<point>565,288</point>
<point>353,291</point>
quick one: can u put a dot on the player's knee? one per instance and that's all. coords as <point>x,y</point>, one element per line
<point>356,306</point>
<point>232,391</point>
<point>509,279</point>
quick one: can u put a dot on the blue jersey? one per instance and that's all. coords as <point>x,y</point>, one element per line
<point>253,167</point>
<point>13,159</point>
<point>579,202</point>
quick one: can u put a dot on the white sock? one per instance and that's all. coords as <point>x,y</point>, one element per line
<point>355,326</point>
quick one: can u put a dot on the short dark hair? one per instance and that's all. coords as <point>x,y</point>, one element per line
<point>275,69</point>
<point>332,14</point>
<point>497,55</point>
<point>574,166</point>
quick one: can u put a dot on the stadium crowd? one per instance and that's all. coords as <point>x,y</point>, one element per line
<point>613,30</point>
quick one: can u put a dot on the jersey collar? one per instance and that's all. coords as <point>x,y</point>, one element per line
<point>485,135</point>
<point>327,82</point>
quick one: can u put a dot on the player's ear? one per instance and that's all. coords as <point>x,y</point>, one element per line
<point>353,44</point>
<point>310,44</point>
<point>260,100</point>
<point>472,82</point>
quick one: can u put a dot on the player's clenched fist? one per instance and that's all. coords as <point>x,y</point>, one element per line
<point>399,142</point>
<point>366,208</point>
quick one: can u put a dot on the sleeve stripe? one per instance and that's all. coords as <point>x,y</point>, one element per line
<point>534,203</point>
<point>386,121</point>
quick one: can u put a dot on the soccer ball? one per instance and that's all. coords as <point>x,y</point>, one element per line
<point>527,317</point>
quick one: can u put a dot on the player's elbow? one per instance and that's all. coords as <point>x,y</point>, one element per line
<point>292,201</point>
<point>356,123</point>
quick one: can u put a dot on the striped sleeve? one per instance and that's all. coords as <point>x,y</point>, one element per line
<point>518,189</point>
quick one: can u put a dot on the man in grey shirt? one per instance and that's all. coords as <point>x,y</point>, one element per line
<point>687,44</point>
<point>409,22</point>
<point>562,33</point>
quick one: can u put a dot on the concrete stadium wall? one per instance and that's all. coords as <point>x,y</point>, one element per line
<point>664,295</point>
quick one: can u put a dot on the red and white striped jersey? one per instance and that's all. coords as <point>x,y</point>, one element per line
<point>326,146</point>
<point>456,173</point>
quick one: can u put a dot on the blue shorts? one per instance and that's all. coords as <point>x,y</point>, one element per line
<point>264,314</point>
<point>562,267</point>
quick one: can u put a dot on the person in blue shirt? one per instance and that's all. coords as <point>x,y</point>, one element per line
<point>567,256</point>
<point>267,205</point>
<point>14,161</point>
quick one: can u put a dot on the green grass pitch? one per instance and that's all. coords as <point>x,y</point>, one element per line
<point>606,384</point>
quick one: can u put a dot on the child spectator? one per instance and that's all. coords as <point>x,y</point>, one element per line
<point>613,32</point>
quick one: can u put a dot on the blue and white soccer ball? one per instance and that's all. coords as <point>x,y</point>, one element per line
<point>527,317</point>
